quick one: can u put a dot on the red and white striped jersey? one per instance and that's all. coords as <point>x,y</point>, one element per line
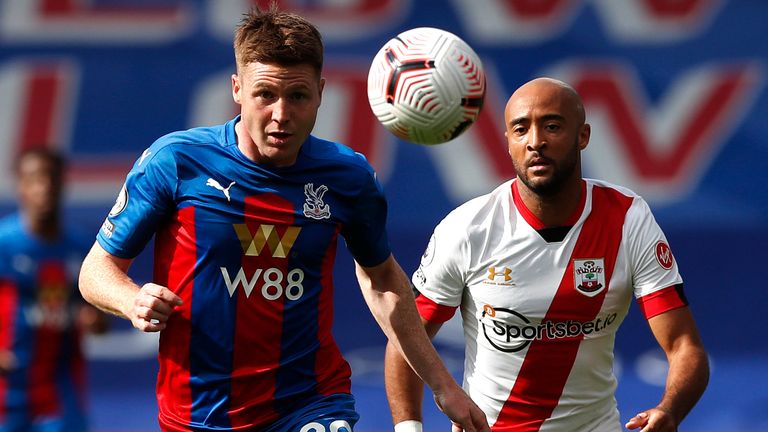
<point>540,317</point>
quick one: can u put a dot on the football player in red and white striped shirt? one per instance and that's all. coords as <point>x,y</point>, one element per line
<point>544,269</point>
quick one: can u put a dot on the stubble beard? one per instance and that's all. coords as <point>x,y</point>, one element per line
<point>550,186</point>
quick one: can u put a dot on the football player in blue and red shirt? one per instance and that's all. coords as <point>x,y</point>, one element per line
<point>42,316</point>
<point>246,218</point>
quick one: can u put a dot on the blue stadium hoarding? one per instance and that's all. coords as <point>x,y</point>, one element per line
<point>675,91</point>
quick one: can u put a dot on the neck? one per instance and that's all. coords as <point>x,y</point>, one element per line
<point>553,210</point>
<point>243,142</point>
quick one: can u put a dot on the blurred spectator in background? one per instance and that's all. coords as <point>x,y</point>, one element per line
<point>42,315</point>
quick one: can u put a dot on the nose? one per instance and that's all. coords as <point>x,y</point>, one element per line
<point>536,139</point>
<point>280,111</point>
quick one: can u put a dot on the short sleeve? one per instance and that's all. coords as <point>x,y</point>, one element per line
<point>365,233</point>
<point>144,202</point>
<point>442,271</point>
<point>653,265</point>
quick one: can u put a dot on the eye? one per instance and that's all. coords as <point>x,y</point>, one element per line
<point>519,130</point>
<point>553,127</point>
<point>264,94</point>
<point>299,96</point>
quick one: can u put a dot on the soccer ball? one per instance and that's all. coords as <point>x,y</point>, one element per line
<point>426,86</point>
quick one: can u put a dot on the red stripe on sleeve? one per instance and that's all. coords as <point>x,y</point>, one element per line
<point>433,312</point>
<point>661,301</point>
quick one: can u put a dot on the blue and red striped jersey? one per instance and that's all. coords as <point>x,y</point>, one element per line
<point>250,249</point>
<point>38,304</point>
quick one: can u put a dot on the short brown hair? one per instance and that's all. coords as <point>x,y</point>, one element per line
<point>283,38</point>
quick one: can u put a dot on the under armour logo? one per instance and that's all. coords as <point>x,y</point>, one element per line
<point>492,273</point>
<point>216,185</point>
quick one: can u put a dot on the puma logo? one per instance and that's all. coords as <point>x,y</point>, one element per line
<point>216,185</point>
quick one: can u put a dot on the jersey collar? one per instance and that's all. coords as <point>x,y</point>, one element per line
<point>534,221</point>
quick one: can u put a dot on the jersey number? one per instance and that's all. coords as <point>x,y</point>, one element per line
<point>335,426</point>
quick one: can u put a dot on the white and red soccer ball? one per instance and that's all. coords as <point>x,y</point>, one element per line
<point>426,86</point>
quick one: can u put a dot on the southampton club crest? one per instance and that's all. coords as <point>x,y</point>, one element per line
<point>589,276</point>
<point>315,207</point>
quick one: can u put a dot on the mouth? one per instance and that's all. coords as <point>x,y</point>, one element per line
<point>279,137</point>
<point>539,162</point>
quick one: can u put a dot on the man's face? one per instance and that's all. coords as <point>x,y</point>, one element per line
<point>39,184</point>
<point>278,107</point>
<point>545,135</point>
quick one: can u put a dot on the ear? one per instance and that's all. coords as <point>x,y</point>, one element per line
<point>321,87</point>
<point>584,134</point>
<point>236,88</point>
<point>506,142</point>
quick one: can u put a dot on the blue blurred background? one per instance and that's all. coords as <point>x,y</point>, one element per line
<point>675,91</point>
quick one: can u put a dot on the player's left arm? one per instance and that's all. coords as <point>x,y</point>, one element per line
<point>387,291</point>
<point>688,375</point>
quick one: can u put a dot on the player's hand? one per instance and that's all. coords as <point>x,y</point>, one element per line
<point>464,414</point>
<point>653,420</point>
<point>152,307</point>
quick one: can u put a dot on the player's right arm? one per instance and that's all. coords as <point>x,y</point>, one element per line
<point>104,282</point>
<point>145,201</point>
<point>405,390</point>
